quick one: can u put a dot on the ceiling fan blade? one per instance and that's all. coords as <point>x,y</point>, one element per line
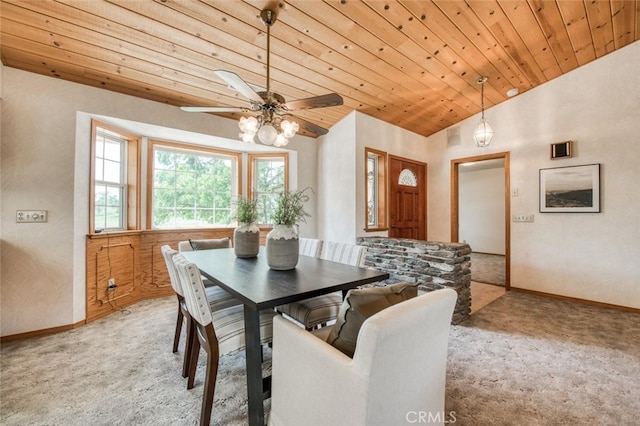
<point>310,127</point>
<point>322,101</point>
<point>239,85</point>
<point>213,109</point>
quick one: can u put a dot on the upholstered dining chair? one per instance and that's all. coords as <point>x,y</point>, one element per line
<point>205,244</point>
<point>397,372</point>
<point>310,247</point>
<point>217,332</point>
<point>216,297</point>
<point>318,311</point>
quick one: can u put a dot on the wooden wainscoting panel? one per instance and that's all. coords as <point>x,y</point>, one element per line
<point>155,278</point>
<point>135,261</point>
<point>117,257</point>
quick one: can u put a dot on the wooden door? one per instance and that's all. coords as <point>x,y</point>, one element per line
<point>407,196</point>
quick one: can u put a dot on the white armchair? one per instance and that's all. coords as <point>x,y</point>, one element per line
<point>397,372</point>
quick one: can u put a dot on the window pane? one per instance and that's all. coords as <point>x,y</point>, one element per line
<point>372,192</point>
<point>112,150</point>
<point>164,198</point>
<point>113,218</point>
<point>112,172</point>
<point>268,181</point>
<point>100,220</point>
<point>185,199</point>
<point>100,195</point>
<point>165,179</point>
<point>114,197</point>
<point>99,169</point>
<point>109,178</point>
<point>192,188</point>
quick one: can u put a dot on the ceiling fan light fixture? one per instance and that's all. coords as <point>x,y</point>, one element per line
<point>267,134</point>
<point>249,125</point>
<point>281,140</point>
<point>247,137</point>
<point>271,108</point>
<point>289,128</point>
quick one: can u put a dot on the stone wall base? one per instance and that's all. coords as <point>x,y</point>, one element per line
<point>434,265</point>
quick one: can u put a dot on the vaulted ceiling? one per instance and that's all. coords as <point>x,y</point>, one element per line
<point>410,63</point>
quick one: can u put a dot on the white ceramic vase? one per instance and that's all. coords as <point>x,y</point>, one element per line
<point>282,247</point>
<point>246,240</point>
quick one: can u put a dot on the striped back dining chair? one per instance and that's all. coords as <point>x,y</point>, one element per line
<point>310,247</point>
<point>217,332</point>
<point>217,298</point>
<point>318,311</point>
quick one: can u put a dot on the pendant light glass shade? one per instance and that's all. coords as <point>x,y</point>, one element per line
<point>484,133</point>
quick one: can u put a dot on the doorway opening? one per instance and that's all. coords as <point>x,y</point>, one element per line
<point>498,212</point>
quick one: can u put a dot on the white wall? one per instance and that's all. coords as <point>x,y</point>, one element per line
<point>591,256</point>
<point>45,165</point>
<point>336,182</point>
<point>481,206</point>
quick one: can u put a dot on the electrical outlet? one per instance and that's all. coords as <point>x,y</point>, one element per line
<point>112,284</point>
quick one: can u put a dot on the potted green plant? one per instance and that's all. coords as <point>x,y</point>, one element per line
<point>282,240</point>
<point>246,236</point>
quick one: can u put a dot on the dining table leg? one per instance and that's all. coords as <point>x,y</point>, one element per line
<point>254,366</point>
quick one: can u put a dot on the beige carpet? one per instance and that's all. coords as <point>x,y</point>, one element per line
<point>521,360</point>
<point>488,268</point>
<point>483,294</point>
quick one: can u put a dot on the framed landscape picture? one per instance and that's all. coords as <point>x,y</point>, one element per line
<point>573,189</point>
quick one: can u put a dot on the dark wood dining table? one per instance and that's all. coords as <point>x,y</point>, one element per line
<point>259,287</point>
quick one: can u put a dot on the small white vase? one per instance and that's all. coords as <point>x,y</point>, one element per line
<point>282,247</point>
<point>246,240</point>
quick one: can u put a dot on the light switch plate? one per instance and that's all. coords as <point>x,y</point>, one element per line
<point>31,216</point>
<point>523,218</point>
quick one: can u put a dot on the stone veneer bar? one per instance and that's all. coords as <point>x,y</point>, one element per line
<point>434,265</point>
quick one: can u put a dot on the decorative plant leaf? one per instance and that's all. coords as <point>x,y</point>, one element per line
<point>247,209</point>
<point>290,207</point>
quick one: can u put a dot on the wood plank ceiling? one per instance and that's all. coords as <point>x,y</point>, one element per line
<point>410,63</point>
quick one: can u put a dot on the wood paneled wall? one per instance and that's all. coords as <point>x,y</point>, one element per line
<point>135,261</point>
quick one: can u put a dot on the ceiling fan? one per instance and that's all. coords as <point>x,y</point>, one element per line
<point>272,125</point>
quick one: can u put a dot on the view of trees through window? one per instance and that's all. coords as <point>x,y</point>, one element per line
<point>109,180</point>
<point>268,181</point>
<point>192,188</point>
<point>186,186</point>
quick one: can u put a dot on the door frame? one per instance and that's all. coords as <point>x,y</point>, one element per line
<point>455,204</point>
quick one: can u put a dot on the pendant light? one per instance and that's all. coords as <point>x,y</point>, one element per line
<point>483,134</point>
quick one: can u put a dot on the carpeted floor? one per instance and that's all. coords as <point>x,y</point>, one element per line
<point>488,268</point>
<point>521,360</point>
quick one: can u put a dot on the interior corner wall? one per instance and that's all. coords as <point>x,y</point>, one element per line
<point>591,256</point>
<point>44,164</point>
<point>336,179</point>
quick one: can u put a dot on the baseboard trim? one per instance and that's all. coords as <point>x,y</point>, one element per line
<point>42,332</point>
<point>578,300</point>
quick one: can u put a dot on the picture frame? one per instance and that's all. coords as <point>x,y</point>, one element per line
<point>571,189</point>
